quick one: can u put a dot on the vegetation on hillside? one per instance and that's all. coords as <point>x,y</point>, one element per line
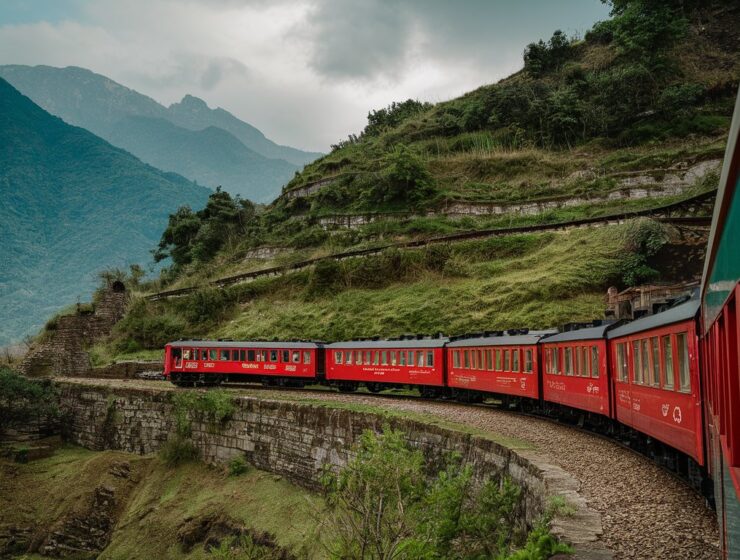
<point>648,89</point>
<point>534,280</point>
<point>384,504</point>
<point>24,401</point>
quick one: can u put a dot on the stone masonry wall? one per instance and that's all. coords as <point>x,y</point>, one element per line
<point>297,440</point>
<point>64,349</point>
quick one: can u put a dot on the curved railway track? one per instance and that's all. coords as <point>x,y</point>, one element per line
<point>661,213</point>
<point>647,512</point>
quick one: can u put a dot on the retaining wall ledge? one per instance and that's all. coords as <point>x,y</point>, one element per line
<point>298,439</point>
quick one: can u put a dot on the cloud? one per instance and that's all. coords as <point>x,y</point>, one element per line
<point>305,72</point>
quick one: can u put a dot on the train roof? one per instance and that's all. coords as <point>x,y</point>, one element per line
<point>278,344</point>
<point>501,340</point>
<point>589,333</point>
<point>684,312</point>
<point>390,343</point>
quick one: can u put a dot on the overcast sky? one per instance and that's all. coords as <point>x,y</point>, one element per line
<point>305,72</point>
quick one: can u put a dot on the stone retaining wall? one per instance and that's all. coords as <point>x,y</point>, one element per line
<point>297,440</point>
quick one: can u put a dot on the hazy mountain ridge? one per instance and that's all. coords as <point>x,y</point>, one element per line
<point>70,205</point>
<point>104,107</point>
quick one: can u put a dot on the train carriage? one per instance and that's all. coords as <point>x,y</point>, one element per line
<point>209,362</point>
<point>574,370</point>
<point>720,341</point>
<point>504,365</point>
<point>381,364</point>
<point>655,378</point>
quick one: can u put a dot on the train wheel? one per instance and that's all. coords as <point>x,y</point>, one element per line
<point>374,387</point>
<point>347,387</point>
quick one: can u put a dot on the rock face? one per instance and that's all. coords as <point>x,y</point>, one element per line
<point>299,440</point>
<point>64,351</point>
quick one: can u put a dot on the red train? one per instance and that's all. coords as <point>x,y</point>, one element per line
<point>668,382</point>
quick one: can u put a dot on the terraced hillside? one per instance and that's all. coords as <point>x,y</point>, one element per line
<point>631,117</point>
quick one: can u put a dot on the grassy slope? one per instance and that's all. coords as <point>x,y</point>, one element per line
<point>42,492</point>
<point>536,280</point>
<point>559,278</point>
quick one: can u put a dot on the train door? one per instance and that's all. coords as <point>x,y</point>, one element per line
<point>177,361</point>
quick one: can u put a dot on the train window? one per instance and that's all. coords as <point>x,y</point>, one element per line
<point>507,363</point>
<point>645,362</point>
<point>307,357</point>
<point>212,355</point>
<point>242,355</point>
<point>556,361</point>
<point>498,360</point>
<point>394,359</point>
<point>466,355</point>
<point>456,358</point>
<point>568,358</point>
<point>368,358</point>
<point>186,354</point>
<point>348,358</point>
<point>338,357</point>
<point>582,359</point>
<point>384,357</point>
<point>376,358</point>
<point>655,349</point>
<point>402,358</point>
<point>473,362</point>
<point>528,360</point>
<point>358,357</point>
<point>621,362</point>
<point>515,360</point>
<point>682,347</point>
<point>595,362</point>
<point>489,359</point>
<point>224,355</point>
<point>296,357</point>
<point>286,356</point>
<point>636,363</point>
<point>668,375</point>
<point>420,359</point>
<point>234,355</point>
<point>176,353</point>
<point>585,355</point>
<point>480,364</point>
<point>411,358</point>
<point>430,359</point>
<point>273,355</point>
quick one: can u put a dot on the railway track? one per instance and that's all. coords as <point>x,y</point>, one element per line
<point>646,511</point>
<point>661,213</point>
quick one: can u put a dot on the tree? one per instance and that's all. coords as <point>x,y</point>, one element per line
<point>406,178</point>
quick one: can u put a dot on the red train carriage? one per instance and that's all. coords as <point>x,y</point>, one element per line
<point>386,363</point>
<point>655,377</point>
<point>209,361</point>
<point>575,370</point>
<point>720,328</point>
<point>505,365</point>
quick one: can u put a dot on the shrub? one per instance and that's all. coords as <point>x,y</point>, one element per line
<point>238,466</point>
<point>178,450</point>
<point>643,240</point>
<point>384,504</point>
<point>23,399</point>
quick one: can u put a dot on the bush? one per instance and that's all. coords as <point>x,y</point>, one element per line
<point>178,450</point>
<point>643,240</point>
<point>23,400</point>
<point>238,466</point>
<point>385,505</point>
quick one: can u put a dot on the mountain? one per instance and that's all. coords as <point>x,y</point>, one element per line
<point>211,156</point>
<point>70,205</point>
<point>193,113</point>
<point>257,170</point>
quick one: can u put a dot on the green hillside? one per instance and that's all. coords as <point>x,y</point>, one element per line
<point>70,205</point>
<point>632,116</point>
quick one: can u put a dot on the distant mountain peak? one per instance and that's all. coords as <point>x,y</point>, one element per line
<point>191,102</point>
